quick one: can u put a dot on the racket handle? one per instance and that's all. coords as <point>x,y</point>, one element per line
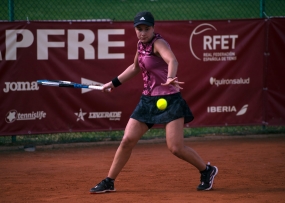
<point>97,87</point>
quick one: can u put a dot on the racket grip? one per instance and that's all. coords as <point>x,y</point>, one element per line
<point>95,87</point>
<point>98,88</point>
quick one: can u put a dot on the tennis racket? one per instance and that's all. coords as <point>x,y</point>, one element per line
<point>62,83</point>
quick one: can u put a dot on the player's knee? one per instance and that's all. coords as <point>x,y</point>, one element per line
<point>127,142</point>
<point>175,150</point>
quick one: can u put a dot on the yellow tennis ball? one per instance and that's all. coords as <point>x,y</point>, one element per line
<point>161,104</point>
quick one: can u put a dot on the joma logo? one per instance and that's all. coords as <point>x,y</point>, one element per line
<point>20,86</point>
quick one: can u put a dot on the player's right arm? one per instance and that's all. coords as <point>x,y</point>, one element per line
<point>131,71</point>
<point>127,74</point>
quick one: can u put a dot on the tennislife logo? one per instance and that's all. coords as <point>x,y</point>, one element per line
<point>112,115</point>
<point>215,46</point>
<point>13,115</point>
<point>223,81</point>
<point>227,109</point>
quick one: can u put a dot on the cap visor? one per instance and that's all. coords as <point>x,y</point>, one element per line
<point>143,23</point>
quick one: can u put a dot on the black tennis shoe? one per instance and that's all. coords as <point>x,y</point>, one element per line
<point>207,178</point>
<point>105,185</point>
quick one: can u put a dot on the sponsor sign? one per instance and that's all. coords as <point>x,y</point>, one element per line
<point>95,115</point>
<point>224,81</point>
<point>229,78</point>
<point>227,109</point>
<point>13,115</point>
<point>217,46</point>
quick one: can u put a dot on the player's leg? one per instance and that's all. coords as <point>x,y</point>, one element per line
<point>133,132</point>
<point>175,143</point>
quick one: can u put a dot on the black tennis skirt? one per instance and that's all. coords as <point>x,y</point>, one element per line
<point>147,112</point>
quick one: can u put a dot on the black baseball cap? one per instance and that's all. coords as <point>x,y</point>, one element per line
<point>144,17</point>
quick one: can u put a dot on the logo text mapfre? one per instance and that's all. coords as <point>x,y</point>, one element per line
<point>73,40</point>
<point>20,86</point>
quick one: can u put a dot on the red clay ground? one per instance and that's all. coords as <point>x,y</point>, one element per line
<point>250,170</point>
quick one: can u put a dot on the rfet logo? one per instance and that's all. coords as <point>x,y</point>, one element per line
<point>211,45</point>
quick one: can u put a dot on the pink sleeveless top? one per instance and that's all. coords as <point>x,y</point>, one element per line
<point>154,70</point>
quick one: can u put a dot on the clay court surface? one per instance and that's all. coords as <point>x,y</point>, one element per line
<point>251,169</point>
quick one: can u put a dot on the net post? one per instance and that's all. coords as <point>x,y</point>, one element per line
<point>11,19</point>
<point>262,8</point>
<point>11,10</point>
<point>14,138</point>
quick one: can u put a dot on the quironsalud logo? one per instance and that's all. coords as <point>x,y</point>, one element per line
<point>227,81</point>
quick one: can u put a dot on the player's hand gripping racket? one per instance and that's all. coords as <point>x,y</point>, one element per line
<point>62,83</point>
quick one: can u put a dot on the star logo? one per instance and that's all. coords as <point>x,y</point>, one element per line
<point>80,115</point>
<point>11,116</point>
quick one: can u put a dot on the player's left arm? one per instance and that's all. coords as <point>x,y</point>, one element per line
<point>162,49</point>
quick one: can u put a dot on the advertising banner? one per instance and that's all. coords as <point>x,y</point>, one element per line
<point>79,52</point>
<point>221,63</point>
<point>275,73</point>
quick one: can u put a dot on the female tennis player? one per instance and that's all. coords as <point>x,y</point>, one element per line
<point>158,65</point>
